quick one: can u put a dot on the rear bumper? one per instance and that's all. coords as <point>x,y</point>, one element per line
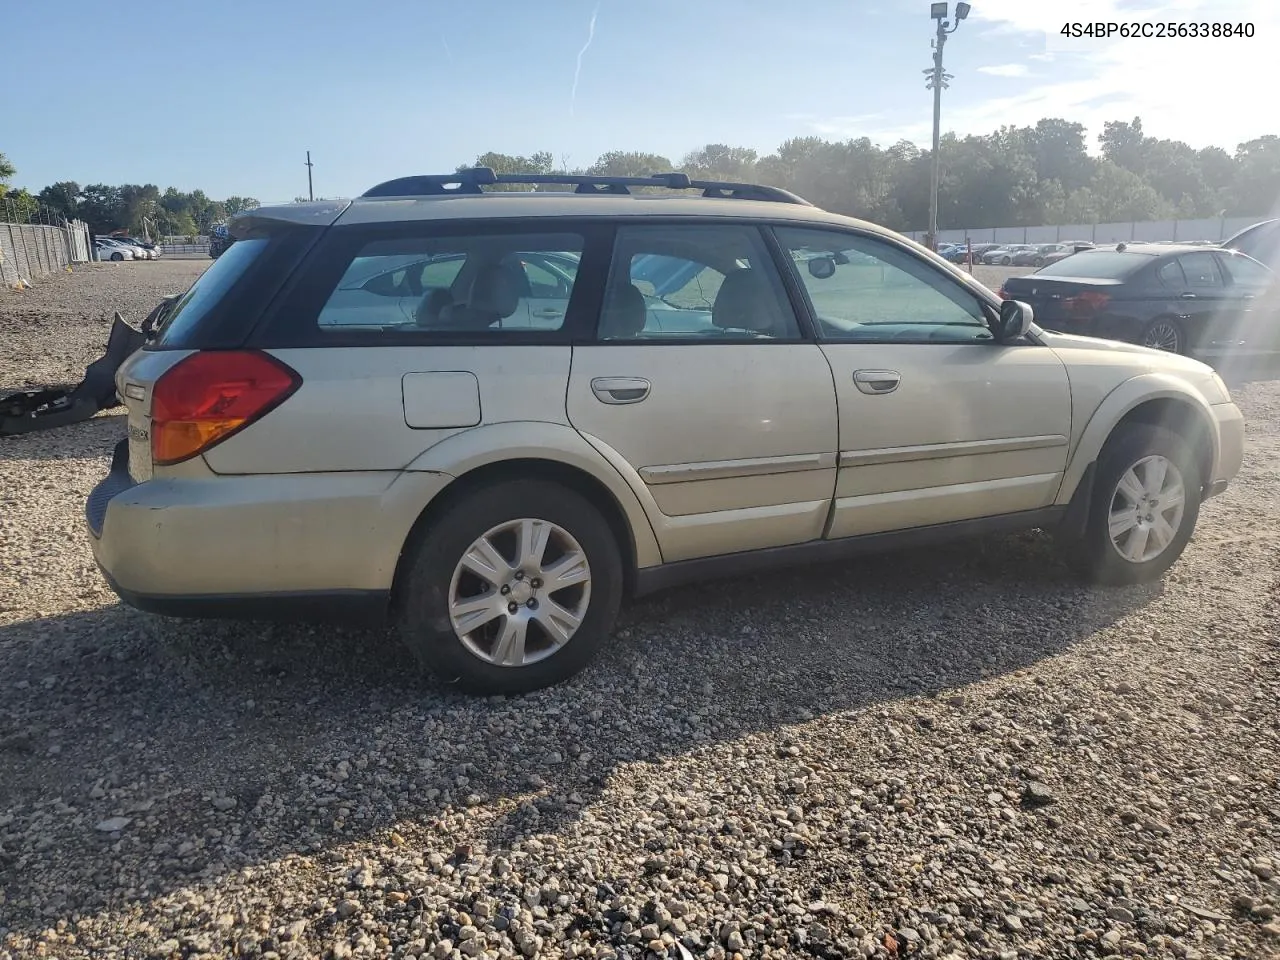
<point>262,546</point>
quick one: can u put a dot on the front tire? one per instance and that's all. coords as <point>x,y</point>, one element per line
<point>512,589</point>
<point>1146,501</point>
<point>117,256</point>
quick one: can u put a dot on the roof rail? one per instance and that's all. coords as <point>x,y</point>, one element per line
<point>471,180</point>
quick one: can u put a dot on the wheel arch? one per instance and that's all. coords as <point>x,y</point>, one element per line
<point>490,455</point>
<point>1154,399</point>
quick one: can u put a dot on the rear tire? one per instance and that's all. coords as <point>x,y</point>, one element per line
<point>1138,525</point>
<point>1164,333</point>
<point>511,613</point>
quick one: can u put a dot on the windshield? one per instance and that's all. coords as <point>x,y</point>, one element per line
<point>1104,264</point>
<point>213,284</point>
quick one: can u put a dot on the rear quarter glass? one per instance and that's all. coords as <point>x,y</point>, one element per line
<point>221,308</point>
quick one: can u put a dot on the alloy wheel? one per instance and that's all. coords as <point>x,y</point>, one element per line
<point>1162,335</point>
<point>1146,509</point>
<point>520,592</point>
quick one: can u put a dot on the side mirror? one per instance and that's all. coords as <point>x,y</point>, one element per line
<point>1015,320</point>
<point>822,268</point>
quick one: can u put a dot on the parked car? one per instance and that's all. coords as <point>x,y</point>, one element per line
<point>1004,255</point>
<point>1036,257</point>
<point>960,253</point>
<point>108,249</point>
<point>138,252</point>
<point>1179,298</point>
<point>1260,241</point>
<point>593,400</point>
<point>152,251</point>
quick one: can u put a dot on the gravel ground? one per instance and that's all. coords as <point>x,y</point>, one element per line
<point>955,753</point>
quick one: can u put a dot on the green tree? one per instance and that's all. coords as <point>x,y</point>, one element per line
<point>1257,188</point>
<point>719,161</point>
<point>236,205</point>
<point>624,163</point>
<point>7,173</point>
<point>62,198</point>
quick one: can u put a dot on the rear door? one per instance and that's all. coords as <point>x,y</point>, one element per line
<point>701,387</point>
<point>1252,292</point>
<point>938,423</point>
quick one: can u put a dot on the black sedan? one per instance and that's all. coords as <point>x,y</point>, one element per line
<point>1186,299</point>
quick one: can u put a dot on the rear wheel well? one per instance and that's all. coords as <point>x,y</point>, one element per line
<point>579,481</point>
<point>1180,418</point>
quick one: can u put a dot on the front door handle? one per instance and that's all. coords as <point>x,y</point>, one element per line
<point>876,382</point>
<point>620,389</point>
<point>1187,296</point>
<point>549,312</point>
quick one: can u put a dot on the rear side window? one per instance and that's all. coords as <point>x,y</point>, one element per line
<point>210,290</point>
<point>1201,270</point>
<point>1101,264</point>
<point>473,284</point>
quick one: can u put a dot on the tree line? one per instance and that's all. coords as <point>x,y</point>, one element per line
<point>135,208</point>
<point>1014,176</point>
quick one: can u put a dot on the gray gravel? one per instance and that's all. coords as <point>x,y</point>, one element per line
<point>955,753</point>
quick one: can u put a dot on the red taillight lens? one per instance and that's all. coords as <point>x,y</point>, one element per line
<point>1086,302</point>
<point>209,396</point>
<point>1003,294</point>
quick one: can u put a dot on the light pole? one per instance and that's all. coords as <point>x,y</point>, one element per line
<point>937,82</point>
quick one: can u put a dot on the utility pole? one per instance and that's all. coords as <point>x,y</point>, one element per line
<point>937,81</point>
<point>311,195</point>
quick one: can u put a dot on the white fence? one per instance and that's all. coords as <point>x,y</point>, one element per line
<point>30,250</point>
<point>1215,228</point>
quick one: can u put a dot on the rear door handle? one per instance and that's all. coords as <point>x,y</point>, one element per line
<point>620,389</point>
<point>876,382</point>
<point>1187,296</point>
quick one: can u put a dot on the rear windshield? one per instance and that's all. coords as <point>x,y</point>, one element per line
<point>209,289</point>
<point>1103,264</point>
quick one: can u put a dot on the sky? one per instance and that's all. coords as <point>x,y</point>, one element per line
<point>228,96</point>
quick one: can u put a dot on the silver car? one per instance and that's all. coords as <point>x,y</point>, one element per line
<point>492,416</point>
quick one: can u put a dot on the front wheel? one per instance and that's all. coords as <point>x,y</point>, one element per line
<point>1146,500</point>
<point>1039,262</point>
<point>117,256</point>
<point>513,588</point>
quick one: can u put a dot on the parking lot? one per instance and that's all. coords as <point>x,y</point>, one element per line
<point>956,752</point>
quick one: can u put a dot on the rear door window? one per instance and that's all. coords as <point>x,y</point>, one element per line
<point>1201,270</point>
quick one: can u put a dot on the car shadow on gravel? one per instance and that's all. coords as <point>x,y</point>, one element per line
<point>237,744</point>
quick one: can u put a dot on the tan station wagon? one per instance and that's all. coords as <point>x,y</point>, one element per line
<point>493,415</point>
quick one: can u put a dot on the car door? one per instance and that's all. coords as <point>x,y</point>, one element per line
<point>1252,295</point>
<point>938,423</point>
<point>706,395</point>
<point>1207,315</point>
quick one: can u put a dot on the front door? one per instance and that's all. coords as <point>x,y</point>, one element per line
<point>938,423</point>
<point>700,387</point>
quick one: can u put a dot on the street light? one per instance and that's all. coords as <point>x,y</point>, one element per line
<point>937,82</point>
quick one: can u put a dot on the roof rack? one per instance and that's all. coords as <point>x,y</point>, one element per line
<point>470,181</point>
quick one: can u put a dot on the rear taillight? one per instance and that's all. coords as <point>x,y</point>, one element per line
<point>208,396</point>
<point>1003,294</point>
<point>1086,302</point>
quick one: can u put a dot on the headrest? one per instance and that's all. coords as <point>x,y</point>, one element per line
<point>745,302</point>
<point>625,313</point>
<point>496,289</point>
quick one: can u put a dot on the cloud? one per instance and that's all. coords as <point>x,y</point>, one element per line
<point>1090,80</point>
<point>577,71</point>
<point>1005,70</point>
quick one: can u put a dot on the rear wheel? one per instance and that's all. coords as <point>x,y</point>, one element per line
<point>513,589</point>
<point>1039,262</point>
<point>1164,333</point>
<point>1146,500</point>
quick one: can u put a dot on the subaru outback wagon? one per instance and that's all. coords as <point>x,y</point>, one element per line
<point>490,416</point>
